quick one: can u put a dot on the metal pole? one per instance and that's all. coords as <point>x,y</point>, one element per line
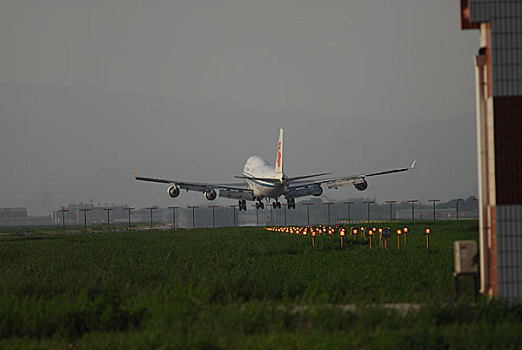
<point>151,209</point>
<point>85,218</point>
<point>348,204</point>
<point>368,204</point>
<point>234,213</point>
<point>285,213</point>
<point>63,220</point>
<point>174,216</point>
<point>413,201</point>
<point>391,209</point>
<point>108,210</point>
<point>213,214</point>
<point>193,207</point>
<point>257,214</point>
<point>457,205</point>
<point>308,212</point>
<point>328,204</point>
<point>434,201</point>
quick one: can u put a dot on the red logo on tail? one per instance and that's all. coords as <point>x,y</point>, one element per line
<point>279,155</point>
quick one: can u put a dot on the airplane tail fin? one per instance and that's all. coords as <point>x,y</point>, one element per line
<point>279,155</point>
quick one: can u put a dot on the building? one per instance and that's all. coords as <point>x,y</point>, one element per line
<point>18,216</point>
<point>498,86</point>
<point>13,213</point>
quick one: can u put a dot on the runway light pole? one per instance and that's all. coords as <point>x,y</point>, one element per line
<point>434,201</point>
<point>348,204</point>
<point>63,211</point>
<point>193,207</point>
<point>413,201</point>
<point>151,209</point>
<point>108,210</point>
<point>85,210</point>
<point>308,204</point>
<point>457,200</point>
<point>257,214</point>
<point>328,204</point>
<point>173,216</point>
<point>213,214</point>
<point>129,212</point>
<point>284,211</point>
<point>368,204</point>
<point>391,207</point>
<point>234,206</point>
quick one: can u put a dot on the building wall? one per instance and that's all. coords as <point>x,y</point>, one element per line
<point>499,130</point>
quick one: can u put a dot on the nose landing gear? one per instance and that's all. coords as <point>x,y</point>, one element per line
<point>291,203</point>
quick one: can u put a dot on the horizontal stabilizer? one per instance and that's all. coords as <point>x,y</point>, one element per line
<point>267,179</point>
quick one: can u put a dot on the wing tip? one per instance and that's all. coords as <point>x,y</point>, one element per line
<point>413,164</point>
<point>133,174</point>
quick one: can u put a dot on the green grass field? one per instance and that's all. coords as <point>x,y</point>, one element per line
<point>242,288</point>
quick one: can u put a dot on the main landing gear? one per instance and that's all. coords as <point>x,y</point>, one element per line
<point>242,205</point>
<point>275,205</point>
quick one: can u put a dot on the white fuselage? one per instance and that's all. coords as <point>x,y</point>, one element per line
<point>257,167</point>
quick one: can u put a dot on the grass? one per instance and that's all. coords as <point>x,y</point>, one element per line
<point>241,288</point>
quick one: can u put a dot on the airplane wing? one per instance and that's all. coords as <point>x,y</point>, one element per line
<point>230,190</point>
<point>347,180</point>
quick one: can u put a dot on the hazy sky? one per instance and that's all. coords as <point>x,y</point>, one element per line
<point>190,88</point>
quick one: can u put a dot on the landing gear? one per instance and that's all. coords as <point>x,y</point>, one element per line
<point>259,204</point>
<point>242,205</point>
<point>276,205</point>
<point>290,203</point>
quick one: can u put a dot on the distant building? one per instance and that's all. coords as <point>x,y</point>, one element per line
<point>498,86</point>
<point>13,213</point>
<point>19,217</point>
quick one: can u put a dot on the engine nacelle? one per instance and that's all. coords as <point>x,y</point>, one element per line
<point>316,190</point>
<point>173,191</point>
<point>309,190</point>
<point>210,195</point>
<point>361,186</point>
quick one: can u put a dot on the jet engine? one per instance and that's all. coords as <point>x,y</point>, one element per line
<point>306,190</point>
<point>173,191</point>
<point>316,190</point>
<point>361,186</point>
<point>210,195</point>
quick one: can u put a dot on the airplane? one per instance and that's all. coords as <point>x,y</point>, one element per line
<point>263,181</point>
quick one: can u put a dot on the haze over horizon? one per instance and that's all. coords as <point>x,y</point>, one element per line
<point>189,89</point>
